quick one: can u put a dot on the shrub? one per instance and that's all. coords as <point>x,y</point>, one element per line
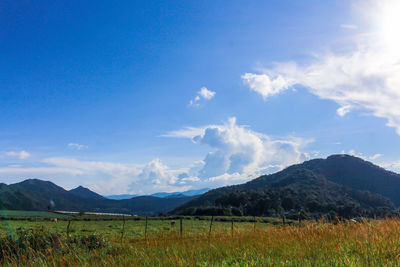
<point>93,241</point>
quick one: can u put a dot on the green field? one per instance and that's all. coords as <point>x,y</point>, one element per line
<point>19,214</point>
<point>134,227</point>
<point>117,241</point>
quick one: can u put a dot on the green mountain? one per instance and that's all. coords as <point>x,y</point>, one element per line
<point>34,194</point>
<point>340,185</point>
<point>85,193</point>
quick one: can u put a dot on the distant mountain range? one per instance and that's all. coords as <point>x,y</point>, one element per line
<point>189,193</point>
<point>35,194</point>
<point>340,185</point>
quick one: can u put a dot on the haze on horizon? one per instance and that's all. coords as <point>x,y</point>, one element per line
<point>147,96</point>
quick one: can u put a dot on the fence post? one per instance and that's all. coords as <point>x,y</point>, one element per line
<point>181,227</point>
<point>123,228</point>
<point>212,219</point>
<point>145,229</point>
<point>232,227</point>
<point>69,222</point>
<point>254,224</point>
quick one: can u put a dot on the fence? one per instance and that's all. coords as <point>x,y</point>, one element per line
<point>184,227</point>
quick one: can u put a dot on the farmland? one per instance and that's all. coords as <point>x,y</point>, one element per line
<point>94,240</point>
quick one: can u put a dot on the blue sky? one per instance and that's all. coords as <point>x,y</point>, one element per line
<point>148,96</point>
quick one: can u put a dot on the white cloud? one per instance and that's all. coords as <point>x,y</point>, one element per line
<point>18,154</point>
<point>352,152</point>
<point>392,166</point>
<point>204,93</point>
<point>376,156</point>
<point>37,171</point>
<point>240,153</point>
<point>349,26</point>
<point>104,177</point>
<point>342,111</point>
<point>186,132</point>
<point>236,154</point>
<point>115,169</point>
<point>364,78</point>
<point>77,146</point>
<point>264,84</point>
<point>158,173</point>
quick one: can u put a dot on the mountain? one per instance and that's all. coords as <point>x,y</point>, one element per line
<point>119,197</point>
<point>35,194</point>
<point>189,193</point>
<point>339,185</point>
<point>85,193</point>
<point>149,205</point>
<point>343,181</point>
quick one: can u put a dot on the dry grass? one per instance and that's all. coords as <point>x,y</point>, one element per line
<point>370,243</point>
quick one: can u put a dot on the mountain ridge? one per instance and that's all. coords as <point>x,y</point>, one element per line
<point>36,194</point>
<point>86,193</point>
<point>344,181</point>
<point>347,172</point>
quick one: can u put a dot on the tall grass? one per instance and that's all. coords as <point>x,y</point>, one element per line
<point>369,243</point>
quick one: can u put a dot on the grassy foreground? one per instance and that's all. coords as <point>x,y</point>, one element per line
<point>370,243</point>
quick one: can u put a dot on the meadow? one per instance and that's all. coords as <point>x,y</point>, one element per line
<point>113,241</point>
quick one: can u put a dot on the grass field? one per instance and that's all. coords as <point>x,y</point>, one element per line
<point>18,214</point>
<point>99,243</point>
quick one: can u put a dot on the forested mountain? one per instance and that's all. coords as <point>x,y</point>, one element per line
<point>85,193</point>
<point>339,185</point>
<point>34,194</point>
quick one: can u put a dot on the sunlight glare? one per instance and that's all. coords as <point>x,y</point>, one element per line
<point>389,26</point>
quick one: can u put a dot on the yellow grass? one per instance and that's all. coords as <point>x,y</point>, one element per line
<point>370,243</point>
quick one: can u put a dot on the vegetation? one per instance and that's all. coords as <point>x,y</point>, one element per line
<point>341,185</point>
<point>345,243</point>
<point>303,194</point>
<point>34,194</point>
<point>312,214</point>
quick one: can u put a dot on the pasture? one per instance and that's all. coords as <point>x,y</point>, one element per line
<point>101,241</point>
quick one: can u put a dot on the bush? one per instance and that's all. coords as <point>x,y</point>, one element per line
<point>93,241</point>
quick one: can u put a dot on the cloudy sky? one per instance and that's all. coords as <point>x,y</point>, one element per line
<point>148,96</point>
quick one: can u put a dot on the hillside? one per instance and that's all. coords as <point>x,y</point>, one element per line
<point>331,184</point>
<point>85,193</point>
<point>35,194</point>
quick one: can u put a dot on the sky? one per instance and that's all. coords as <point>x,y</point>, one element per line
<point>147,96</point>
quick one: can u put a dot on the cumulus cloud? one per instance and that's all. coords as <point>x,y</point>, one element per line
<point>105,177</point>
<point>240,153</point>
<point>236,154</point>
<point>18,154</point>
<point>204,94</point>
<point>77,146</point>
<point>264,84</point>
<point>158,173</point>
